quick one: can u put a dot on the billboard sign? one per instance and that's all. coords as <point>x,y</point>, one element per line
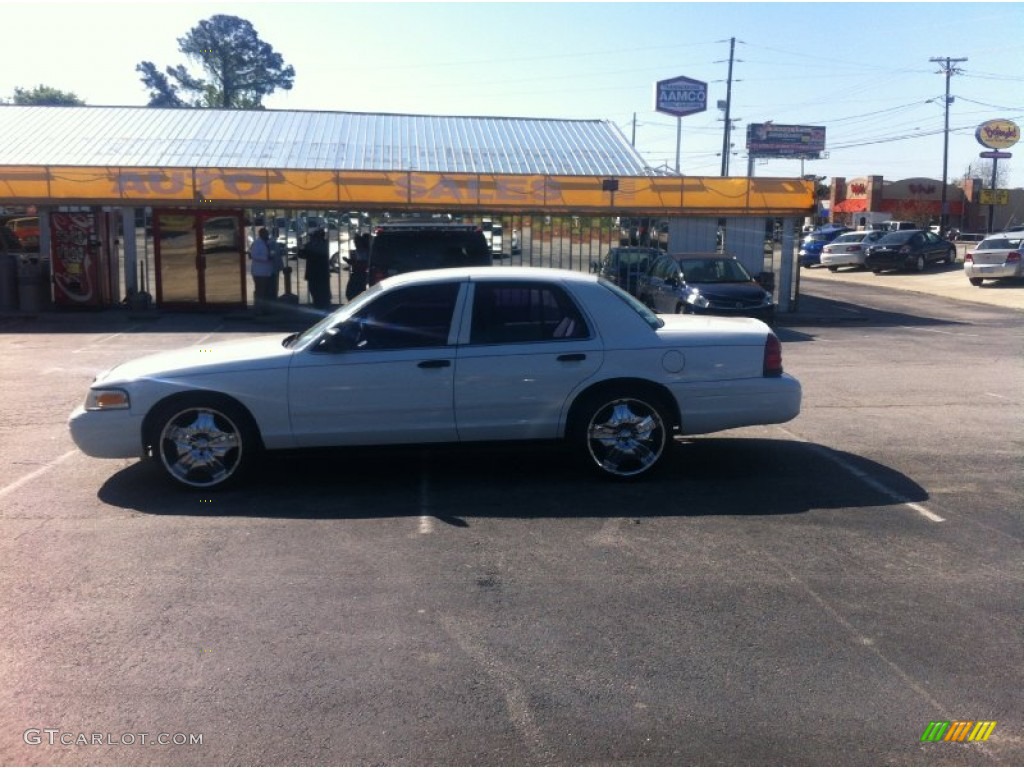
<point>680,96</point>
<point>805,142</point>
<point>997,134</point>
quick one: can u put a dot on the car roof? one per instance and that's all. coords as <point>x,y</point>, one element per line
<point>488,273</point>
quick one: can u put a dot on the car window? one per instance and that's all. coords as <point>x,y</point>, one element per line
<point>1000,244</point>
<point>513,312</point>
<point>660,267</point>
<point>635,304</point>
<point>405,318</point>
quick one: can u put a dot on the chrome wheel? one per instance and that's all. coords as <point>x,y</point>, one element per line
<point>625,436</point>
<point>201,447</point>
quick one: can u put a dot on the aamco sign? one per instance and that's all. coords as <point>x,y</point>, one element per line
<point>680,96</point>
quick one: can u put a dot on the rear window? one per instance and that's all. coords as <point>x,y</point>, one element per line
<point>896,238</point>
<point>1000,244</point>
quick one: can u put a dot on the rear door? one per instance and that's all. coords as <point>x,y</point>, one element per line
<point>528,348</point>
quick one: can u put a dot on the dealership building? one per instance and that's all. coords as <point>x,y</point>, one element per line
<point>125,195</point>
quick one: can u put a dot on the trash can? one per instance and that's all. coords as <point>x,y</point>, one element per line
<point>33,283</point>
<point>9,280</point>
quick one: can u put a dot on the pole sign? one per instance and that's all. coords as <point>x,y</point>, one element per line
<point>995,154</point>
<point>806,142</point>
<point>680,96</point>
<point>997,134</point>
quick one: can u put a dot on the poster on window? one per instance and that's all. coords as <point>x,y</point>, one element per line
<point>76,268</point>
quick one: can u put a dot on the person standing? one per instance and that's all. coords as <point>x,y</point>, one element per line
<point>318,269</point>
<point>262,270</point>
<point>358,264</point>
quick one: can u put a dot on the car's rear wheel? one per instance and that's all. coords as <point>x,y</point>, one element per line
<point>204,442</point>
<point>833,269</point>
<point>621,435</point>
<point>976,281</point>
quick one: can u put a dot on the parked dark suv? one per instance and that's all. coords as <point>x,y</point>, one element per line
<point>408,247</point>
<point>625,266</point>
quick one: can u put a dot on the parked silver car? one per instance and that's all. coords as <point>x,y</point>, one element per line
<point>997,257</point>
<point>848,250</point>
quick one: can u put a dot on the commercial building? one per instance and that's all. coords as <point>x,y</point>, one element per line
<point>128,193</point>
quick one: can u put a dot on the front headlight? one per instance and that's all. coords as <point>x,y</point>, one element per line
<point>107,400</point>
<point>697,300</point>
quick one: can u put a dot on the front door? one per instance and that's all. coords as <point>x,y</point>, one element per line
<point>200,258</point>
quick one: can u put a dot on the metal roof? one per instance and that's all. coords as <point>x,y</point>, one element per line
<point>215,138</point>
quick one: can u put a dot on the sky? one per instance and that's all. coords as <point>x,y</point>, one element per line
<point>860,69</point>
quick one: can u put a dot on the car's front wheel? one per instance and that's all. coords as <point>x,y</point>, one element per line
<point>204,442</point>
<point>621,435</point>
<point>976,281</point>
<point>919,264</point>
<point>951,256</point>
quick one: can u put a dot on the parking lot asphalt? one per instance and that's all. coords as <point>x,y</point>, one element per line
<point>944,280</point>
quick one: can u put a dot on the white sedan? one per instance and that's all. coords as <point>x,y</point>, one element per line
<point>449,355</point>
<point>849,250</point>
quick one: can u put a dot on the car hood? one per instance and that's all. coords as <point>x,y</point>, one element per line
<point>728,291</point>
<point>253,354</point>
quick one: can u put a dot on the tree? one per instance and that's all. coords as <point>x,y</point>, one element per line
<point>44,95</point>
<point>982,169</point>
<point>241,68</point>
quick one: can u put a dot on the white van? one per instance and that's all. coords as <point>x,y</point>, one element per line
<point>895,226</point>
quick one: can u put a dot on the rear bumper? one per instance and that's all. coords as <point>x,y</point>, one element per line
<point>993,271</point>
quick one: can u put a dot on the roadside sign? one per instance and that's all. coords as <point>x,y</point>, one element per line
<point>996,155</point>
<point>680,96</point>
<point>997,134</point>
<point>796,141</point>
<point>994,197</point>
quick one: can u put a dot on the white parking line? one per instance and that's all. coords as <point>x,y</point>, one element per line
<point>103,339</point>
<point>1001,397</point>
<point>426,519</point>
<point>33,475</point>
<point>867,479</point>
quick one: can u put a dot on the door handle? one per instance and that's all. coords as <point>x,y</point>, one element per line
<point>571,358</point>
<point>434,364</point>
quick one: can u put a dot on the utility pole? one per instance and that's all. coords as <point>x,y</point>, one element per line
<point>726,145</point>
<point>632,141</point>
<point>947,68</point>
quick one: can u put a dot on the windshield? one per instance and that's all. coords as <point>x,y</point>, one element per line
<point>714,271</point>
<point>639,307</point>
<point>335,318</point>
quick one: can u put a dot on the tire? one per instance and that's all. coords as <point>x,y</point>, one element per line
<point>919,265</point>
<point>833,269</point>
<point>680,309</point>
<point>204,441</point>
<point>877,271</point>
<point>951,256</point>
<point>976,281</point>
<point>621,435</point>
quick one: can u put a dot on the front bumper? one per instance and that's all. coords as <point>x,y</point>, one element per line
<point>106,434</point>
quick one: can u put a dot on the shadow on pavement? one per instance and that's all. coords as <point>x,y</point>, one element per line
<point>814,310</point>
<point>707,476</point>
